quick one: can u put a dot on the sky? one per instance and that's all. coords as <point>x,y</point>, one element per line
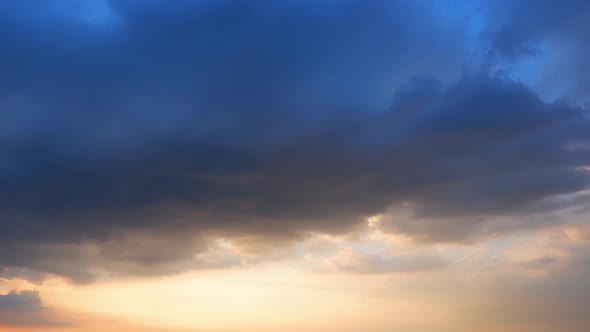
<point>294,165</point>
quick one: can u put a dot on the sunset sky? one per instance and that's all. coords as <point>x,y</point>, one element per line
<point>294,165</point>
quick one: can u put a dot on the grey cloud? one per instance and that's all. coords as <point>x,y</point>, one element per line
<point>458,170</point>
<point>24,308</point>
<point>128,144</point>
<point>24,301</point>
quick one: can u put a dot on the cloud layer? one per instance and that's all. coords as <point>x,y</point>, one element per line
<point>134,133</point>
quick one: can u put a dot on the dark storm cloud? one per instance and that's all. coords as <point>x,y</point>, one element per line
<point>132,135</point>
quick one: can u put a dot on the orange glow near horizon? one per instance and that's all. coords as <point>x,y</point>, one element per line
<point>281,296</point>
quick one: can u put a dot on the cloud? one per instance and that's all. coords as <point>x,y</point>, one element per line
<point>24,308</point>
<point>350,261</point>
<point>515,28</point>
<point>20,301</point>
<point>551,35</point>
<point>132,139</point>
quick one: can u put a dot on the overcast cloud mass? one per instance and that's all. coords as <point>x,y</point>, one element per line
<point>135,134</point>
